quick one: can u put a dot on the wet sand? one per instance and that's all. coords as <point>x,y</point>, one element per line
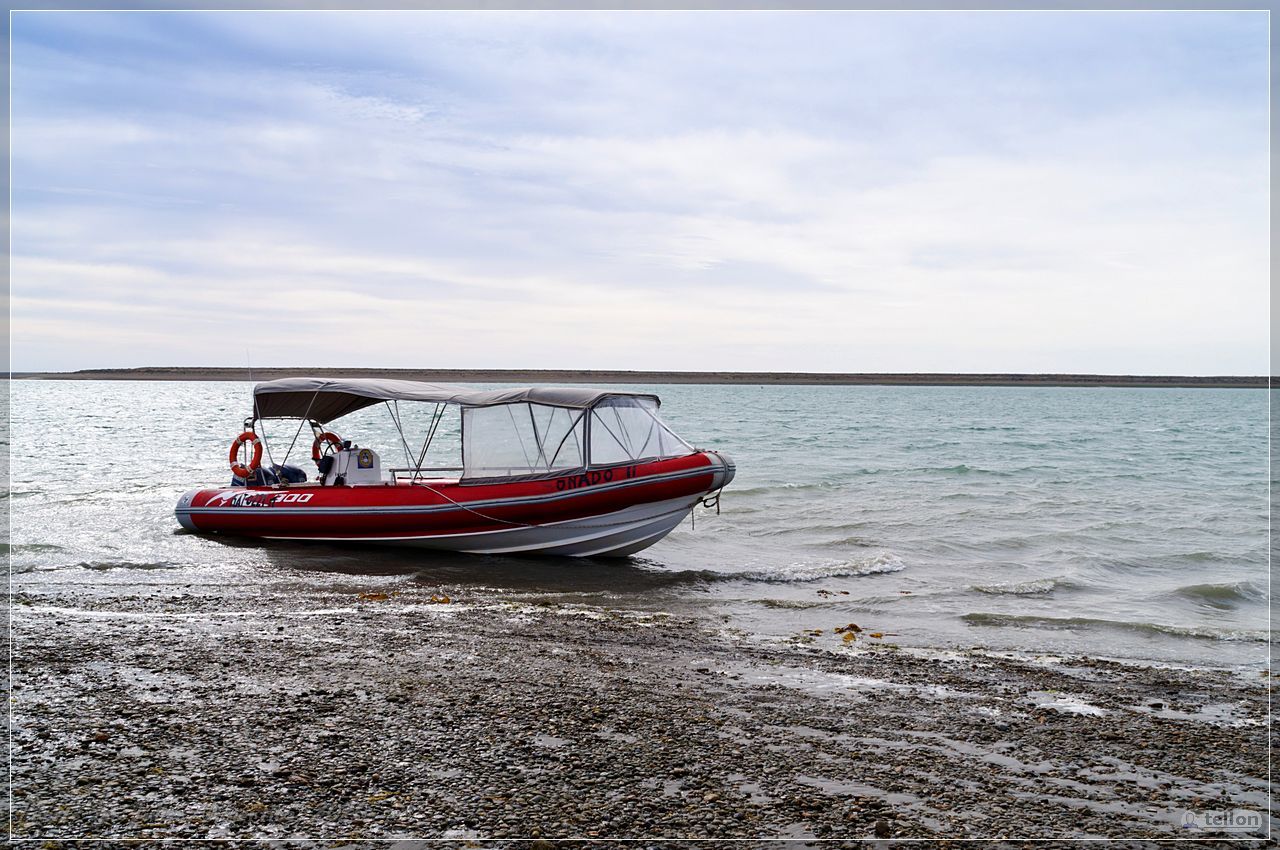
<point>346,715</point>
<point>571,376</point>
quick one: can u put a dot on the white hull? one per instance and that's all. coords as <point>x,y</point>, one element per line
<point>616,534</point>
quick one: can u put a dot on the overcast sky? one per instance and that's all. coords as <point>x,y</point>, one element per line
<point>1069,192</point>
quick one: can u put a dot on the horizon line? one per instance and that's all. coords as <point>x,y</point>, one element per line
<point>217,373</point>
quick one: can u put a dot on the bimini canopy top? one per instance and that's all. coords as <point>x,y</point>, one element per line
<point>326,399</point>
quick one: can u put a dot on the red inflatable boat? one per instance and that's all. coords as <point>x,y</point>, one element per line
<point>549,470</point>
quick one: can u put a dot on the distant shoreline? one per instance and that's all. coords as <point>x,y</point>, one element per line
<point>584,376</point>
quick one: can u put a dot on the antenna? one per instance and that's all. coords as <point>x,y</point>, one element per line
<point>256,419</point>
<point>250,366</point>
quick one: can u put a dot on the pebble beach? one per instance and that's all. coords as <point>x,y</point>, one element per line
<point>425,712</point>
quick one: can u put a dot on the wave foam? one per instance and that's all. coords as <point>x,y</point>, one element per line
<point>126,565</point>
<point>801,572</point>
<point>789,486</point>
<point>1036,621</point>
<point>961,469</point>
<point>30,547</point>
<point>1024,588</point>
<point>789,574</point>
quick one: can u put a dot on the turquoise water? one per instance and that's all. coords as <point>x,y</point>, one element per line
<point>1123,522</point>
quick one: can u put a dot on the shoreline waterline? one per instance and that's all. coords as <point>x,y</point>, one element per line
<point>1097,523</point>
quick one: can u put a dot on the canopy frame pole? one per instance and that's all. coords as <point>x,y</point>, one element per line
<point>537,439</point>
<point>436,417</point>
<point>306,417</point>
<point>395,418</point>
<point>573,430</point>
<point>653,423</point>
<point>258,420</point>
<point>528,463</point>
<point>630,448</point>
<point>609,431</point>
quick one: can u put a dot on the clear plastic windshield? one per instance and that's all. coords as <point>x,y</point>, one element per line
<point>512,440</point>
<point>509,440</point>
<point>625,430</point>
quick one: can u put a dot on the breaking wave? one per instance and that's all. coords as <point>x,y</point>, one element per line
<point>791,573</point>
<point>98,566</point>
<point>30,547</point>
<point>1035,621</point>
<point>125,565</point>
<point>1223,594</point>
<point>961,469</point>
<point>1024,588</point>
<point>788,604</point>
<point>884,563</point>
<point>787,487</point>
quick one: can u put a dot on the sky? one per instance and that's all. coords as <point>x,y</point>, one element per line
<point>747,191</point>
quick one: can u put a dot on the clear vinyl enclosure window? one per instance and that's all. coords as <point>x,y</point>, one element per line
<point>521,439</point>
<point>625,429</point>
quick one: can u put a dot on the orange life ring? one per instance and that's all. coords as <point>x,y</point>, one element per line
<point>324,437</point>
<point>238,468</point>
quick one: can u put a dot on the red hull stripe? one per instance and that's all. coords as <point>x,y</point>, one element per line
<point>451,489</point>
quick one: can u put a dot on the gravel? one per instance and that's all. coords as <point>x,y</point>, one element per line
<point>333,720</point>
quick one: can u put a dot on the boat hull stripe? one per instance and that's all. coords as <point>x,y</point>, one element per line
<point>479,504</point>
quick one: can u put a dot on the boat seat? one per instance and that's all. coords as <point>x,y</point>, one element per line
<point>262,476</point>
<point>290,474</point>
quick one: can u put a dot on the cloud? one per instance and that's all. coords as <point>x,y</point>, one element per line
<point>791,191</point>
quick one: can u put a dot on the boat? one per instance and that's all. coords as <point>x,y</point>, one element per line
<point>542,470</point>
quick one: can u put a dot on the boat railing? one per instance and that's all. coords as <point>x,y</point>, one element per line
<point>422,472</point>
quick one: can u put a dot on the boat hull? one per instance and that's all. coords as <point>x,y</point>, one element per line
<point>609,512</point>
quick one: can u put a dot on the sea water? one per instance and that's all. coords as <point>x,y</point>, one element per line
<point>1128,523</point>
